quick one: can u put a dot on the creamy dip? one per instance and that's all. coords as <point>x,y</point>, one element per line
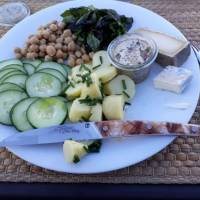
<point>132,51</point>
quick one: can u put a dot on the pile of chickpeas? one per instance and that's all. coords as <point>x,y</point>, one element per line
<point>53,42</point>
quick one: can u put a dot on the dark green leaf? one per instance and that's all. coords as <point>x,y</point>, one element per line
<point>93,42</point>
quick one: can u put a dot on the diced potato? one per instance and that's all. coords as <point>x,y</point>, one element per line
<point>74,92</point>
<point>113,107</point>
<point>118,85</point>
<point>93,90</point>
<point>78,70</point>
<point>73,151</point>
<point>79,111</point>
<point>100,58</point>
<point>96,113</point>
<point>106,73</point>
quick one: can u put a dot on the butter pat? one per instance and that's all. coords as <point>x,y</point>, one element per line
<point>173,79</point>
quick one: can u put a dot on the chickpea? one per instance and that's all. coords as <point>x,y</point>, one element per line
<point>71,46</point>
<point>79,61</point>
<point>71,55</point>
<point>60,60</point>
<point>41,54</point>
<point>74,37</point>
<point>68,40</point>
<point>18,55</point>
<point>83,50</point>
<point>39,37</point>
<point>78,47</point>
<point>61,25</point>
<point>43,41</point>
<point>46,34</point>
<point>48,58</point>
<point>51,51</point>
<point>43,48</point>
<point>58,46</point>
<point>24,51</point>
<point>30,36</point>
<point>78,54</point>
<point>64,48</point>
<point>34,40</point>
<point>53,27</point>
<point>59,32</point>
<point>29,56</point>
<point>59,40</point>
<point>91,54</point>
<point>17,50</point>
<point>34,48</point>
<point>85,58</point>
<point>71,62</point>
<point>52,38</point>
<point>34,55</point>
<point>59,54</point>
<point>67,33</point>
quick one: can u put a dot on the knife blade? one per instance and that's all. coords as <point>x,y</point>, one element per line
<point>99,130</point>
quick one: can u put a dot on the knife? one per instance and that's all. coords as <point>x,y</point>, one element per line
<point>99,130</point>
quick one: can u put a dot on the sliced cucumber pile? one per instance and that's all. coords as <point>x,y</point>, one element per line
<point>31,93</point>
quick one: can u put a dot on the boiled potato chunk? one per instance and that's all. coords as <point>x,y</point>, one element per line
<point>100,58</point>
<point>93,90</point>
<point>113,107</point>
<point>78,70</point>
<point>73,151</point>
<point>106,73</point>
<point>74,92</point>
<point>119,85</point>
<point>96,113</point>
<point>78,111</point>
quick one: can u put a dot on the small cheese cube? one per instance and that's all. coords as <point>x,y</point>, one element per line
<point>173,79</point>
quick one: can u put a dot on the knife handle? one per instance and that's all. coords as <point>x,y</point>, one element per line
<point>130,128</point>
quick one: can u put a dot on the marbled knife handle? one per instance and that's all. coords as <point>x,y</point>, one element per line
<point>129,128</point>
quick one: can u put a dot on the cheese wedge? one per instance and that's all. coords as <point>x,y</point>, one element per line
<point>171,50</point>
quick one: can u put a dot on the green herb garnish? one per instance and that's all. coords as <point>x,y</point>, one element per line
<point>127,103</point>
<point>94,147</point>
<point>89,101</point>
<point>126,94</point>
<point>84,67</point>
<point>76,159</point>
<point>97,66</point>
<point>84,119</point>
<point>70,84</point>
<point>101,59</point>
<point>86,78</point>
<point>124,84</point>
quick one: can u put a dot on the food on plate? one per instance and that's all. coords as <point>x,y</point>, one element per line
<point>133,54</point>
<point>79,111</point>
<point>8,99</point>
<point>19,117</point>
<point>46,112</point>
<point>74,151</point>
<point>96,113</point>
<point>121,84</point>
<point>73,90</point>
<point>95,28</point>
<point>113,107</point>
<point>173,79</point>
<point>53,42</point>
<point>171,50</point>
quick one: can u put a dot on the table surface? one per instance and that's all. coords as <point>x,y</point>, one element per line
<point>178,163</point>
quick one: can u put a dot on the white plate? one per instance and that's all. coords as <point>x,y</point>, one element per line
<point>148,103</point>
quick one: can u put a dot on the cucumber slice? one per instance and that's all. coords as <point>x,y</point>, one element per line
<point>30,69</point>
<point>18,79</point>
<point>52,65</point>
<point>3,72</point>
<point>17,67</point>
<point>42,84</point>
<point>35,63</point>
<point>19,109</point>
<point>47,112</point>
<point>10,86</point>
<point>11,74</point>
<point>67,68</point>
<point>10,62</point>
<point>7,100</point>
<point>54,72</point>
